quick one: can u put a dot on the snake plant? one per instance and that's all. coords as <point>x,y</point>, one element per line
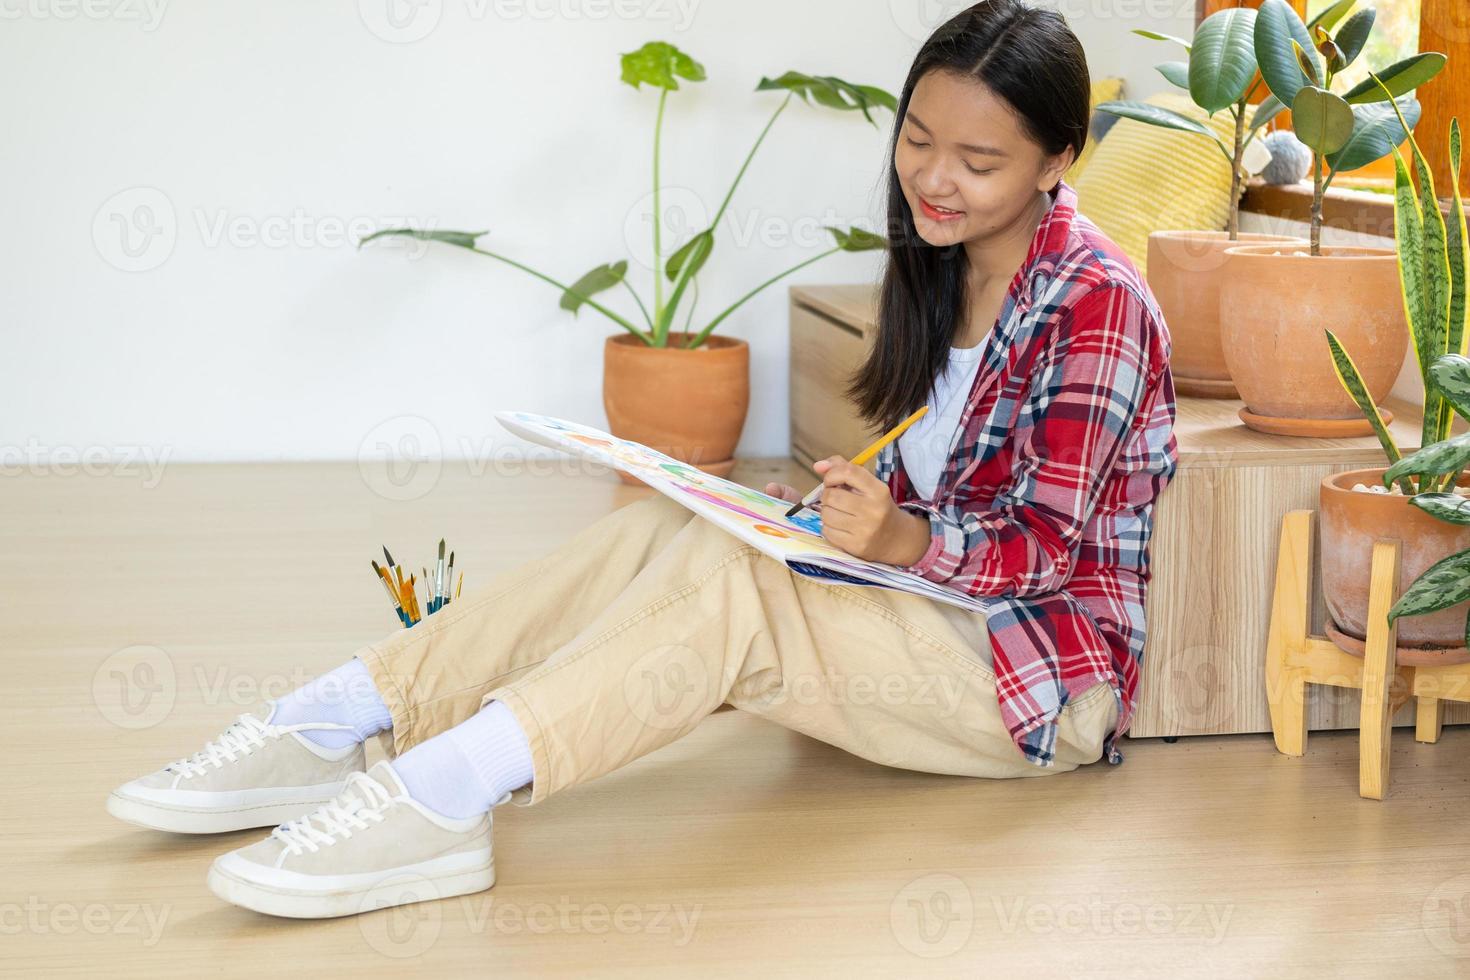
<point>1434,266</point>
<point>660,65</point>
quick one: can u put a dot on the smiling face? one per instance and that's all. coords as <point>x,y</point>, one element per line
<point>963,149</point>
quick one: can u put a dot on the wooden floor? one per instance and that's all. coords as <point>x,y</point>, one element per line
<point>144,614</point>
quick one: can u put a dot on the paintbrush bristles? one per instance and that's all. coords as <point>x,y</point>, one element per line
<point>382,577</point>
<point>404,592</point>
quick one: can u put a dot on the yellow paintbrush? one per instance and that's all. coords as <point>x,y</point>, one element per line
<point>860,458</point>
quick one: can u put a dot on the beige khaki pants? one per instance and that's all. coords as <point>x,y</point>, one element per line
<point>624,638</point>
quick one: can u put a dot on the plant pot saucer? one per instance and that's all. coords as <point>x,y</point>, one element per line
<point>1204,388</point>
<point>1406,656</point>
<point>723,467</point>
<point>1315,428</point>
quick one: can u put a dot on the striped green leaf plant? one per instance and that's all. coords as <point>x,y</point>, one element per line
<point>1434,267</point>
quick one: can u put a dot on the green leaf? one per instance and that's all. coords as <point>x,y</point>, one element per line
<point>1354,34</point>
<point>1444,584</point>
<point>601,278</point>
<point>1452,508</point>
<point>1155,116</point>
<point>1450,373</point>
<point>660,65</point>
<point>463,239</point>
<point>1277,26</point>
<point>1352,380</point>
<point>857,240</point>
<point>1268,110</point>
<point>1377,132</point>
<point>1416,269</point>
<point>1156,36</point>
<point>699,248</point>
<point>1436,460</point>
<point>1408,232</point>
<point>1330,15</point>
<point>831,92</point>
<point>1401,77</point>
<point>1436,261</point>
<point>1457,245</point>
<point>1176,72</point>
<point>1428,304</point>
<point>1322,120</point>
<point>1223,59</point>
<point>704,242</point>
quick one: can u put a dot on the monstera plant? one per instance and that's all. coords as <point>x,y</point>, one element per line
<point>683,392</point>
<point>661,65</point>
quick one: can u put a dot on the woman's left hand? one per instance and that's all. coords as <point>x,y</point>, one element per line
<point>860,517</point>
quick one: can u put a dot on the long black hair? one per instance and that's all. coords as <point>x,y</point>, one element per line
<point>1032,61</point>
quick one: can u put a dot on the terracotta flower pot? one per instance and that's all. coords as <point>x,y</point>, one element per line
<point>1184,273</point>
<point>1350,521</point>
<point>1275,307</point>
<point>690,404</point>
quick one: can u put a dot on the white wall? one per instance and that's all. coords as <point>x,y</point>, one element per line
<point>253,141</point>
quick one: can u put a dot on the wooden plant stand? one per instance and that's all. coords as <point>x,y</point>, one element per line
<point>1295,658</point>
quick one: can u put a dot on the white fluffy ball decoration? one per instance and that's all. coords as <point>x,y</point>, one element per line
<point>1290,159</point>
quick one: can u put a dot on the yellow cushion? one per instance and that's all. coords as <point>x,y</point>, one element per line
<point>1147,178</point>
<point>1103,90</point>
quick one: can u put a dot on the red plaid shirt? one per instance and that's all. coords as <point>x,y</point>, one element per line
<point>1046,502</point>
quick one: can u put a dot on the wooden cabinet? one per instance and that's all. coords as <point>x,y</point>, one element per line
<point>831,331</point>
<point>1216,527</point>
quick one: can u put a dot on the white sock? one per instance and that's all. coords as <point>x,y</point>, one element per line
<point>466,770</point>
<point>345,696</point>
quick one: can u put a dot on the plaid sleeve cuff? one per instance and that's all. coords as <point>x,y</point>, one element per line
<point>938,531</point>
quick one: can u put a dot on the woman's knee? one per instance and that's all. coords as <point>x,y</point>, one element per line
<point>1083,724</point>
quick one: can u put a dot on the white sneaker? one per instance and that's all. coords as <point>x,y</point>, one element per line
<point>372,847</point>
<point>254,775</point>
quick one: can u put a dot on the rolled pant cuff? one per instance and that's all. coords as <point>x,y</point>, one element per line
<point>390,689</point>
<point>540,785</point>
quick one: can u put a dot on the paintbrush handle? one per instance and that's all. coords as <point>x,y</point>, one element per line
<point>863,457</point>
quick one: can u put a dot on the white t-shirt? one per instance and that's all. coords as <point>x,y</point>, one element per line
<point>924,446</point>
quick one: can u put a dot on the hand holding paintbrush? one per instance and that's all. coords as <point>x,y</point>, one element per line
<point>860,515</point>
<point>859,460</point>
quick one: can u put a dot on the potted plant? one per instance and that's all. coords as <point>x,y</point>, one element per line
<point>684,392</point>
<point>1275,298</point>
<point>1185,265</point>
<point>1419,499</point>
